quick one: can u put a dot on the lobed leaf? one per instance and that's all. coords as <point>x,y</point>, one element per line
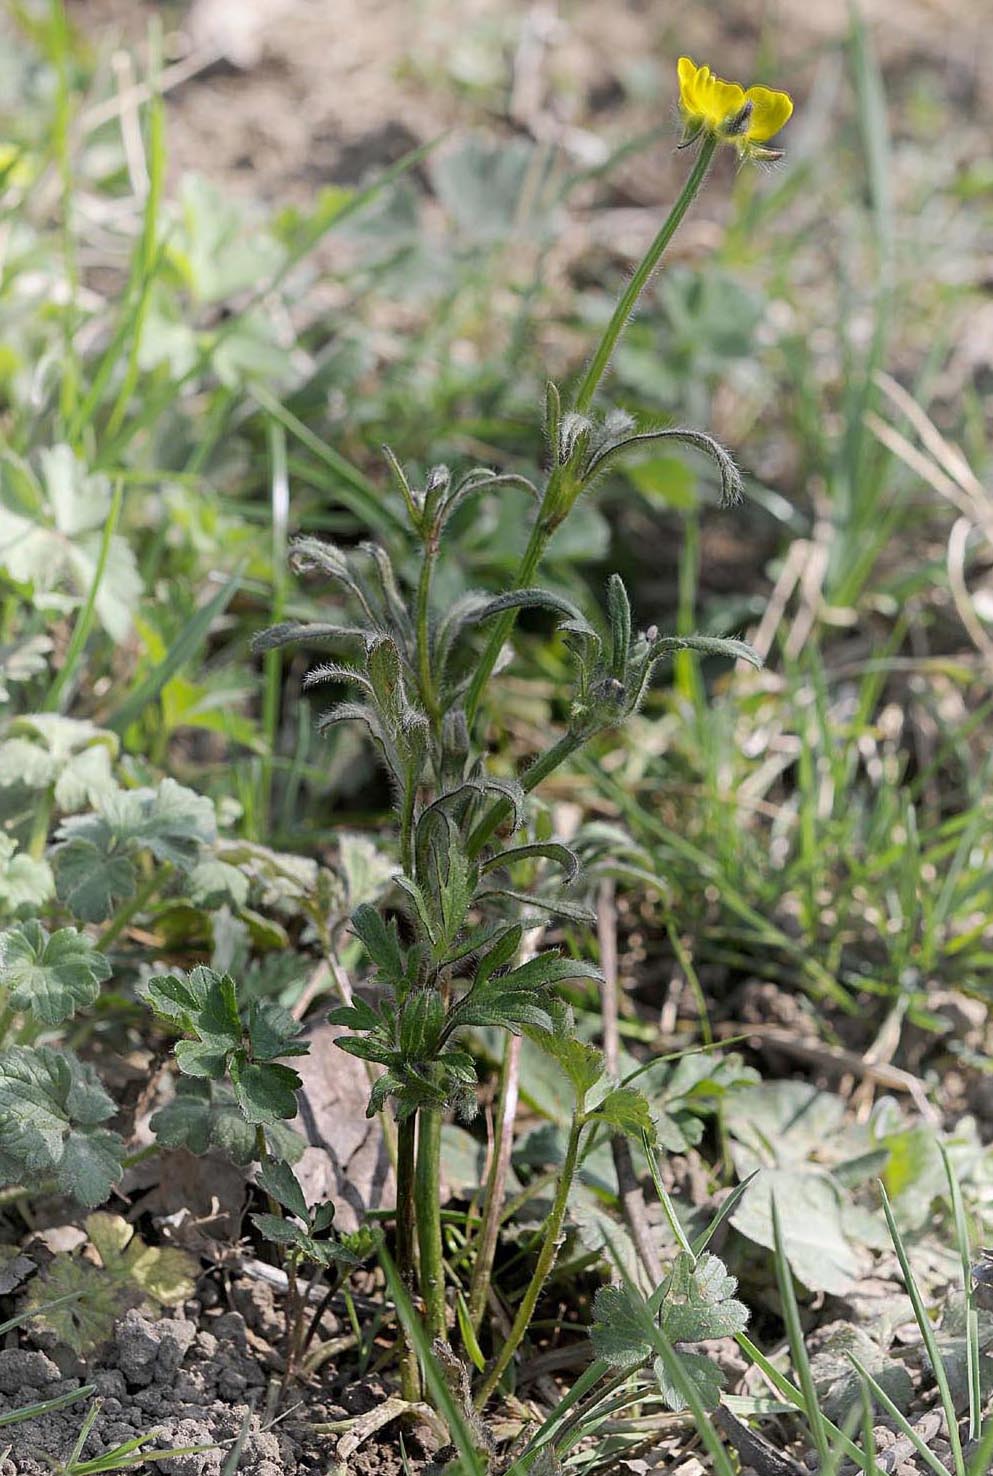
<point>50,976</point>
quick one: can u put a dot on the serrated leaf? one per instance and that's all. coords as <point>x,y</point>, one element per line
<point>50,976</point>
<point>280,1231</point>
<point>582,1063</point>
<point>51,1108</point>
<point>699,1301</point>
<point>618,1332</point>
<point>165,1274</point>
<point>627,1110</point>
<point>419,1025</point>
<point>366,1048</point>
<point>359,1015</point>
<point>171,821</point>
<point>72,756</point>
<point>702,1372</point>
<point>381,941</point>
<point>201,1058</point>
<point>61,545</point>
<point>272,1031</point>
<point>90,882</point>
<point>266,1093</point>
<point>22,660</point>
<point>204,1115</point>
<point>86,1321</point>
<point>204,1003</point>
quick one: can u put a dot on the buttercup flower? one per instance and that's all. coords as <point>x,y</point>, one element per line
<point>747,119</point>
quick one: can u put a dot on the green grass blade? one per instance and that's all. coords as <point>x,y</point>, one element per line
<point>46,1406</point>
<point>798,1347</point>
<point>727,1207</point>
<point>352,488</point>
<point>664,1200</point>
<point>793,1395</point>
<point>927,1334</point>
<point>458,1426</point>
<point>906,1428</point>
<point>702,1418</point>
<point>272,662</point>
<point>84,1431</point>
<point>971,1316</point>
<point>868,1429</point>
<point>549,1428</point>
<point>233,1458</point>
<point>981,1459</point>
<point>190,639</point>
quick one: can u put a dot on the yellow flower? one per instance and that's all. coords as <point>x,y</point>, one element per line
<point>747,119</point>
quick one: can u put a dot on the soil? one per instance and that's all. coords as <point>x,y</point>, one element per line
<point>274,98</point>
<point>193,1377</point>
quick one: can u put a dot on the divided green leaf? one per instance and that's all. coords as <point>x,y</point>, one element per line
<point>52,1106</point>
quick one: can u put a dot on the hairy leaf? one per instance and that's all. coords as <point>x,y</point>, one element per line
<point>700,1303</point>
<point>51,1108</point>
<point>627,1111</point>
<point>205,1115</point>
<point>90,882</point>
<point>88,1319</point>
<point>50,976</point>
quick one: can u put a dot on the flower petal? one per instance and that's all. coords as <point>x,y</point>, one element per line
<point>770,110</point>
<point>688,73</point>
<point>717,100</point>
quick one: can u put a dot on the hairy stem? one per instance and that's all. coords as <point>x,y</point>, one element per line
<point>629,300</point>
<point>410,1378</point>
<point>629,1189</point>
<point>530,779</point>
<point>547,1257</point>
<point>540,535</point>
<point>424,674</point>
<point>427,1200</point>
<point>496,1183</point>
<point>550,514</point>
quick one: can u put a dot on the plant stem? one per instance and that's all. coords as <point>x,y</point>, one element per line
<point>628,1187</point>
<point>427,1199</point>
<point>530,779</point>
<point>272,666</point>
<point>424,675</point>
<point>496,1183</point>
<point>44,805</point>
<point>407,807</point>
<point>410,1379</point>
<point>541,531</point>
<point>546,1260</point>
<point>629,300</point>
<point>116,926</point>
